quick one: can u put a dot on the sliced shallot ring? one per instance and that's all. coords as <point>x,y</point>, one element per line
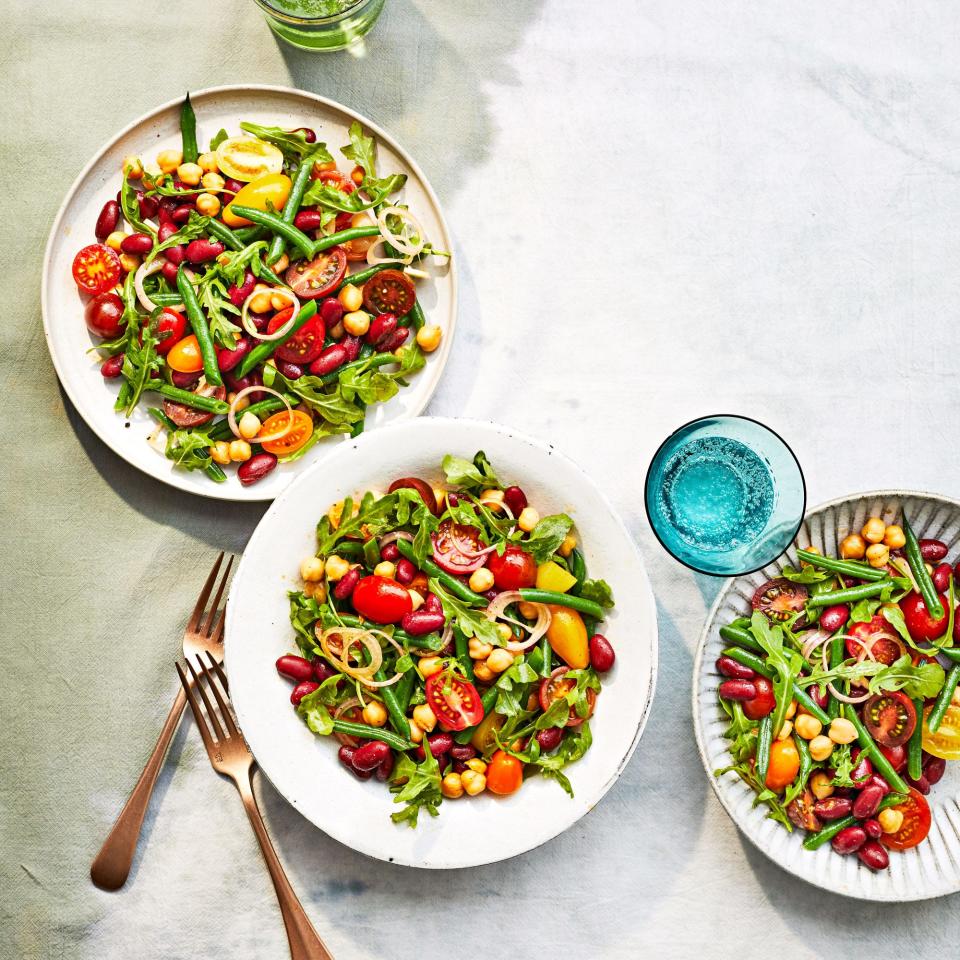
<point>345,738</point>
<point>283,329</point>
<point>232,412</point>
<point>401,241</point>
<point>826,666</point>
<point>816,638</point>
<point>143,271</point>
<point>374,260</point>
<point>495,611</point>
<point>395,535</point>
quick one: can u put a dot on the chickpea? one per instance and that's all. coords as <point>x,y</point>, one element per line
<point>260,302</point>
<point>279,300</point>
<point>208,162</point>
<point>791,710</point>
<point>430,665</point>
<point>806,563</point>
<point>220,452</point>
<point>336,331</point>
<point>894,537</point>
<point>425,717</point>
<point>132,167</point>
<point>281,264</point>
<point>428,337</point>
<point>528,519</point>
<point>213,182</point>
<point>190,174</point>
<point>115,239</point>
<point>249,425</point>
<point>842,730</point>
<point>492,499</point>
<point>242,403</point>
<point>374,714</point>
<point>477,765</point>
<point>504,632</point>
<point>451,786</point>
<point>481,580</point>
<point>499,660</point>
<point>567,547</point>
<point>416,732</point>
<point>821,786</point>
<point>208,205</point>
<point>473,782</point>
<point>482,672</point>
<point>385,569</point>
<point>129,262</point>
<point>351,298</point>
<point>240,451</point>
<point>335,568</point>
<point>316,590</point>
<point>527,610</point>
<point>807,726</point>
<point>873,530</point>
<point>356,323</point>
<point>478,650</point>
<point>785,730</point>
<point>169,160</point>
<point>852,547</point>
<point>416,599</point>
<point>878,554</point>
<point>311,568</point>
<point>891,820</point>
<point>821,747</point>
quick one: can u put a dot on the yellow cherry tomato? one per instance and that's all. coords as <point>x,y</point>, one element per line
<point>551,576</point>
<point>247,158</point>
<point>483,736</point>
<point>945,743</point>
<point>185,356</point>
<point>567,634</point>
<point>269,191</point>
<point>784,764</point>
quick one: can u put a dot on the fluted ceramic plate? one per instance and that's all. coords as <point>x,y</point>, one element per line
<point>67,336</point>
<point>931,869</point>
<point>304,768</point>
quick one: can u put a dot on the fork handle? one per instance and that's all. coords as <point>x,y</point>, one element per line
<point>305,944</point>
<point>111,867</point>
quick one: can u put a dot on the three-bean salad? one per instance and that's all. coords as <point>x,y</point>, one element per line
<point>219,283</point>
<point>448,638</point>
<point>842,714</point>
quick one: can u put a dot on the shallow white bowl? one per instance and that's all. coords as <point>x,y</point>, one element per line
<point>304,768</point>
<point>67,336</point>
<point>931,869</point>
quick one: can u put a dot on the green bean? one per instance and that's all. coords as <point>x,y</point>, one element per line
<point>578,568</point>
<point>405,688</point>
<point>231,239</point>
<point>344,236</point>
<point>198,323</point>
<point>756,664</point>
<point>806,761</point>
<point>590,607</point>
<point>458,589</point>
<point>915,744</point>
<point>397,717</point>
<point>188,399</point>
<point>275,224</point>
<point>536,660</point>
<point>263,351</point>
<point>248,234</point>
<point>918,567</point>
<point>944,697</point>
<point>850,594</point>
<point>546,653</point>
<point>359,278</point>
<point>837,650</point>
<point>222,431</point>
<point>161,417</point>
<point>363,732</point>
<point>463,653</point>
<point>846,567</point>
<point>188,131</point>
<point>741,637</point>
<point>292,206</point>
<point>214,472</point>
<point>167,299</point>
<point>814,841</point>
<point>881,764</point>
<point>414,317</point>
<point>764,739</point>
<point>488,700</point>
<point>368,362</point>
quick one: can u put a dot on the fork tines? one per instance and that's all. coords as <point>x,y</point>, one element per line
<point>220,718</point>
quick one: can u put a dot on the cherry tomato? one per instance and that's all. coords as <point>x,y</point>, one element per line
<point>389,291</point>
<point>763,703</point>
<point>96,269</point>
<point>567,636</point>
<point>423,488</point>
<point>456,548</point>
<point>876,635</point>
<point>184,416</point>
<point>381,599</point>
<point>784,764</point>
<point>920,624</point>
<point>356,250</point>
<point>515,569</point>
<point>780,599</point>
<point>896,755</point>
<point>299,433</point>
<point>312,279</point>
<point>334,178</point>
<point>184,356</point>
<point>248,158</point>
<point>454,700</point>
<point>555,687</point>
<point>916,823</point>
<point>945,743</point>
<point>103,316</point>
<point>171,327</point>
<point>268,191</point>
<point>504,774</point>
<point>890,717</point>
<point>305,345</point>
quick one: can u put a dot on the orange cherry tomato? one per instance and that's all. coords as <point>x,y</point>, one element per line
<point>784,764</point>
<point>504,774</point>
<point>356,250</point>
<point>185,356</point>
<point>916,823</point>
<point>299,433</point>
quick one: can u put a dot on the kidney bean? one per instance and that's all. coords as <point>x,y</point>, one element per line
<point>922,784</point>
<point>421,621</point>
<point>231,186</point>
<point>346,755</point>
<point>734,670</point>
<point>850,839</point>
<point>182,213</point>
<point>458,766</point>
<point>394,341</point>
<point>308,134</point>
<point>332,357</point>
<point>166,230</point>
<point>440,743</point>
<point>175,255</point>
<point>833,618</point>
<point>833,808</point>
<point>107,220</point>
<point>820,699</point>
<point>228,359</point>
<point>602,656</point>
<point>738,690</point>
<point>303,688</point>
<point>878,781</point>
<point>199,251</point>
<point>296,668</point>
<point>386,768</point>
<point>111,368</point>
<point>941,577</point>
<point>254,379</point>
<point>549,739</point>
<point>406,571</point>
<point>330,311</point>
<point>322,670</point>
<point>515,499</point>
<point>347,584</point>
<point>185,381</point>
<point>256,468</point>
<point>453,499</point>
<point>390,552</point>
<point>382,325</point>
<point>370,755</point>
<point>169,271</point>
<point>874,855</point>
<point>873,828</point>
<point>863,768</point>
<point>463,752</point>
<point>290,370</point>
<point>897,757</point>
<point>149,206</point>
<point>934,769</point>
<point>239,294</point>
<point>432,604</point>
<point>137,243</point>
<point>352,346</point>
<point>308,220</point>
<point>933,551</point>
<point>868,801</point>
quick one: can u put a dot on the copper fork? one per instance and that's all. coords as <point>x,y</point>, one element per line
<point>230,756</point>
<point>203,634</point>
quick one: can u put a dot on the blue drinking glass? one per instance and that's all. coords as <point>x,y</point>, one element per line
<point>725,495</point>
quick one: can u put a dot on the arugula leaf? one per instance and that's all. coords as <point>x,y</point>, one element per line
<point>741,731</point>
<point>216,304</point>
<point>863,610</point>
<point>572,748</point>
<point>327,195</point>
<point>599,591</point>
<point>476,475</point>
<point>918,682</point>
<point>421,791</point>
<point>292,143</point>
<point>313,709</point>
<point>747,772</point>
<point>545,538</point>
<point>361,150</point>
<point>304,613</point>
<point>808,574</point>
<point>189,448</point>
<point>842,762</point>
<point>196,226</point>
<point>511,684</point>
<point>377,517</point>
<point>471,622</point>
<point>787,665</point>
<point>130,205</point>
<point>218,138</point>
<point>892,613</point>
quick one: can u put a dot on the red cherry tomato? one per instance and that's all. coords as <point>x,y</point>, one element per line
<point>504,774</point>
<point>96,269</point>
<point>456,548</point>
<point>555,687</point>
<point>878,636</point>
<point>103,316</point>
<point>389,291</point>
<point>916,823</point>
<point>381,599</point>
<point>890,717</point>
<point>305,345</point>
<point>453,699</point>
<point>334,178</point>
<point>514,570</point>
<point>312,279</point>
<point>763,703</point>
<point>780,599</point>
<point>171,328</point>
<point>896,755</point>
<point>184,416</point>
<point>922,627</point>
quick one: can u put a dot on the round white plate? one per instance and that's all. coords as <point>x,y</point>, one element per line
<point>67,336</point>
<point>304,768</point>
<point>931,869</point>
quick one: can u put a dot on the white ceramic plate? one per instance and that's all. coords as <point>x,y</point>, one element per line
<point>304,768</point>
<point>931,869</point>
<point>67,336</point>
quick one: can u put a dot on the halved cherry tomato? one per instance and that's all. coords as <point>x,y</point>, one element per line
<point>381,599</point>
<point>878,636</point>
<point>104,316</point>
<point>763,703</point>
<point>456,548</point>
<point>513,570</point>
<point>454,700</point>
<point>780,599</point>
<point>316,278</point>
<point>269,191</point>
<point>248,158</point>
<point>356,250</point>
<point>184,416</point>
<point>299,433</point>
<point>170,327</point>
<point>504,774</point>
<point>945,743</point>
<point>305,345</point>
<point>96,269</point>
<point>921,626</point>
<point>555,687</point>
<point>890,717</point>
<point>184,356</point>
<point>334,178</point>
<point>784,764</point>
<point>567,636</point>
<point>423,488</point>
<point>916,823</point>
<point>389,291</point>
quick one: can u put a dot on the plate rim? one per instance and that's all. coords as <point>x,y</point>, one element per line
<point>697,704</point>
<point>648,598</point>
<point>237,493</point>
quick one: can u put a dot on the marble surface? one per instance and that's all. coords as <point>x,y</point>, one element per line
<point>662,209</point>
